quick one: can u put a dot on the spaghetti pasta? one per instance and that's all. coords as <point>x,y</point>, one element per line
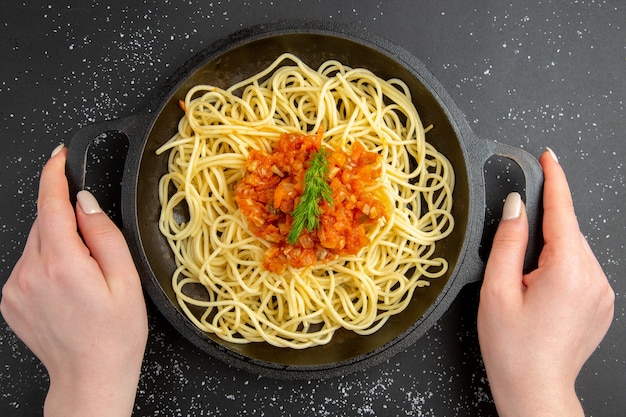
<point>220,281</point>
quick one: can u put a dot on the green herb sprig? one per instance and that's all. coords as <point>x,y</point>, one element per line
<point>308,211</point>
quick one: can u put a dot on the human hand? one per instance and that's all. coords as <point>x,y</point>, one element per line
<point>537,330</point>
<point>77,303</point>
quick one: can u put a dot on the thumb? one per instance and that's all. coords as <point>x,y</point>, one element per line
<point>506,260</point>
<point>105,241</point>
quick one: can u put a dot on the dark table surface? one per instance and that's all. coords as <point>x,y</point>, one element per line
<point>527,73</point>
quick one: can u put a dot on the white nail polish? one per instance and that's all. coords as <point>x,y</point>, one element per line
<point>512,206</point>
<point>87,202</point>
<point>56,150</point>
<point>552,154</point>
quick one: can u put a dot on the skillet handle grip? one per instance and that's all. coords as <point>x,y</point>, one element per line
<point>474,265</point>
<point>532,196</point>
<point>76,166</point>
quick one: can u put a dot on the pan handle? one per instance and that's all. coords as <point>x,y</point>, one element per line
<point>474,265</point>
<point>76,165</point>
<point>532,196</point>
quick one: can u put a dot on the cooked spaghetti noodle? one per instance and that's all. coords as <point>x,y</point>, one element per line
<point>220,281</point>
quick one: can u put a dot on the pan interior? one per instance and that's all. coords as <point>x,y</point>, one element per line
<point>239,62</point>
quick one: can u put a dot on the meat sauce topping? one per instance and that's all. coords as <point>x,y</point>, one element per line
<point>274,184</point>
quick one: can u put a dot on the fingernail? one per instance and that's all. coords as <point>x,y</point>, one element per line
<point>552,154</point>
<point>88,203</point>
<point>56,150</point>
<point>512,206</point>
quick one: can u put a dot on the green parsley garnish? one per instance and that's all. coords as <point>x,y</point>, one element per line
<point>307,213</point>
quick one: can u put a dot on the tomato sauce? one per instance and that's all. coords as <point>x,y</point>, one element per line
<point>272,188</point>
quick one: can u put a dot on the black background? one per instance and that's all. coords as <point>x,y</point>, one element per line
<point>530,74</point>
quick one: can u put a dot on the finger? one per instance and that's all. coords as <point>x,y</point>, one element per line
<point>506,259</point>
<point>560,225</point>
<point>56,218</point>
<point>105,241</point>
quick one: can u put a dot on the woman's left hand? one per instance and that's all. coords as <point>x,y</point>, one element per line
<point>77,302</point>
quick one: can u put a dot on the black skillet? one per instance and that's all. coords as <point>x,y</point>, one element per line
<point>241,55</point>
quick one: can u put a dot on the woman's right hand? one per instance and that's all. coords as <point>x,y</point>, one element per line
<point>537,330</point>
